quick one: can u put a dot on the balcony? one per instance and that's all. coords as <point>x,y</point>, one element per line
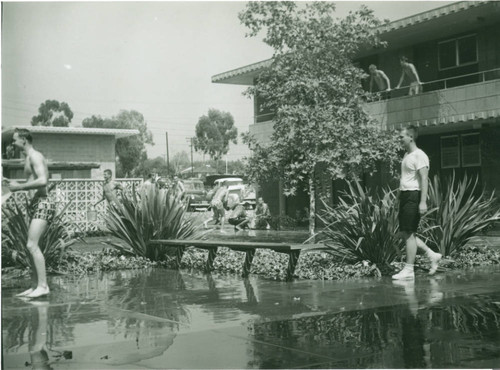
<point>443,103</point>
<point>460,101</point>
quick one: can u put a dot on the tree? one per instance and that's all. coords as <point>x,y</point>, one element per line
<point>131,151</point>
<point>156,165</point>
<point>180,161</point>
<point>53,113</point>
<point>315,90</point>
<point>214,132</point>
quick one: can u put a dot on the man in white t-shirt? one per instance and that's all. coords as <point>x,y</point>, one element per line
<point>413,202</point>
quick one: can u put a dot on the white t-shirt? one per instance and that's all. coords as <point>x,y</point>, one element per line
<point>412,162</point>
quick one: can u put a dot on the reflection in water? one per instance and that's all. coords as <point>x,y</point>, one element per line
<point>419,334</point>
<point>38,336</point>
<point>136,317</point>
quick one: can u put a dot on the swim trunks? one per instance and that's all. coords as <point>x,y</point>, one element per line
<point>41,209</point>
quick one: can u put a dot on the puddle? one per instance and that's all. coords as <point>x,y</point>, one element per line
<point>166,319</point>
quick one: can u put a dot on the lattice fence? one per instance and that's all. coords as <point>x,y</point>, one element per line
<point>81,195</point>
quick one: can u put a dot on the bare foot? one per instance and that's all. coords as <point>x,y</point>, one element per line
<point>25,293</point>
<point>38,292</point>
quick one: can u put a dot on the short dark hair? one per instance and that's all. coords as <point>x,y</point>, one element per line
<point>108,171</point>
<point>412,131</point>
<point>151,175</point>
<point>24,133</point>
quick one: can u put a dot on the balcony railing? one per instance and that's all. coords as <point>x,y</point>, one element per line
<point>442,84</point>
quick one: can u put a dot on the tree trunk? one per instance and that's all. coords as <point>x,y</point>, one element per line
<point>312,204</point>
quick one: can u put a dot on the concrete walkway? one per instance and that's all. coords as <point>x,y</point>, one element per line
<point>165,319</point>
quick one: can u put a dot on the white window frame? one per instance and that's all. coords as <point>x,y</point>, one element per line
<point>457,61</point>
<point>458,156</point>
<point>476,164</point>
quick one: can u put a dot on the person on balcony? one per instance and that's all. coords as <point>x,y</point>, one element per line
<point>381,80</point>
<point>413,187</point>
<point>409,70</point>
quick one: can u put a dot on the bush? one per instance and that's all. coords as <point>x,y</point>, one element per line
<point>54,242</point>
<point>457,214</point>
<point>154,214</point>
<point>363,227</point>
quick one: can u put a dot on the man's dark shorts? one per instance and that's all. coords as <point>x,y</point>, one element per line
<point>41,209</point>
<point>236,220</point>
<point>409,215</point>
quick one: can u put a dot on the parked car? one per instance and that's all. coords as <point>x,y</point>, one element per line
<point>238,191</point>
<point>195,195</point>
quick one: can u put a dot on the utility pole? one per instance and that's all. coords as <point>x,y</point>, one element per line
<point>168,159</point>
<point>192,169</point>
<point>190,140</point>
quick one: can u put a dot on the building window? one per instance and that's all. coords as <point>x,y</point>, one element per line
<point>471,150</point>
<point>450,152</point>
<point>457,52</point>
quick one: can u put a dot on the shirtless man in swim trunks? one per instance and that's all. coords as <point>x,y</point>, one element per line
<point>109,189</point>
<point>411,72</point>
<point>41,209</point>
<point>381,80</point>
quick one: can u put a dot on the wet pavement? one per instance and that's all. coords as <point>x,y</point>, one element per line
<point>160,318</point>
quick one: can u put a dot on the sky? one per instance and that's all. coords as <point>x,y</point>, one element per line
<point>153,57</point>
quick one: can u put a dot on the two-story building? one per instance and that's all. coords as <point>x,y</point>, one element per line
<point>71,152</point>
<point>456,51</point>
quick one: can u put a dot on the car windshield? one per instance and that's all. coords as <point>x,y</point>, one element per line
<point>193,186</point>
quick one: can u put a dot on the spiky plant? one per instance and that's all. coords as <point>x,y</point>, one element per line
<point>53,243</point>
<point>462,212</point>
<point>363,227</point>
<point>151,215</point>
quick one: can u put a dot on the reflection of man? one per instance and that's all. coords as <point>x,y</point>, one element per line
<point>109,189</point>
<point>410,71</point>
<point>38,337</point>
<point>41,210</point>
<point>413,202</point>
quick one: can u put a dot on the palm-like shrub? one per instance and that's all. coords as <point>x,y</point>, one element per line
<point>53,243</point>
<point>363,227</point>
<point>460,214</point>
<point>151,215</point>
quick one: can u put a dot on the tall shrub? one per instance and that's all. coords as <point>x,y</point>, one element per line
<point>363,226</point>
<point>461,212</point>
<point>151,215</point>
<point>53,243</point>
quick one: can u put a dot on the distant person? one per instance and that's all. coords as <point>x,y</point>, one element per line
<point>217,205</point>
<point>238,217</point>
<point>409,70</point>
<point>40,211</point>
<point>178,186</point>
<point>262,215</point>
<point>110,189</point>
<point>148,183</point>
<point>413,202</point>
<point>381,80</point>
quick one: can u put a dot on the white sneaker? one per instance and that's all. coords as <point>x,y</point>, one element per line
<point>404,274</point>
<point>435,258</point>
